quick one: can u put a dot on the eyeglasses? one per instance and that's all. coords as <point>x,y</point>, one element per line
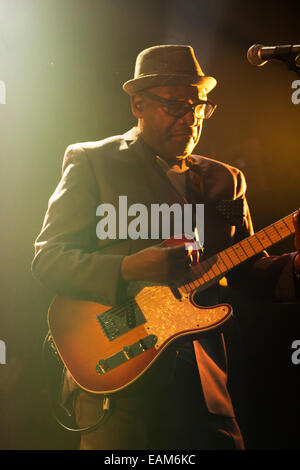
<point>202,109</point>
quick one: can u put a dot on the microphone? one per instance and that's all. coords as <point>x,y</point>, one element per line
<point>259,55</point>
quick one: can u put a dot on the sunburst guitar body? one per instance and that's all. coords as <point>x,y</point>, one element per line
<point>108,348</point>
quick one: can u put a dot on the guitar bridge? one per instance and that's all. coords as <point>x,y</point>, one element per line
<point>127,353</point>
<point>102,367</point>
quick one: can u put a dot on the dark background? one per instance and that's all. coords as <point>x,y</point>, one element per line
<point>63,63</point>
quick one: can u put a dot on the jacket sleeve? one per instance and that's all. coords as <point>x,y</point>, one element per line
<point>265,277</point>
<point>67,258</point>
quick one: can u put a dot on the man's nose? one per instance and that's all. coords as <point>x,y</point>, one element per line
<point>190,118</point>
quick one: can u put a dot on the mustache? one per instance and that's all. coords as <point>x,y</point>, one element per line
<point>183,129</point>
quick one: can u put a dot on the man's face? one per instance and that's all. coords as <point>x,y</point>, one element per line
<point>169,136</point>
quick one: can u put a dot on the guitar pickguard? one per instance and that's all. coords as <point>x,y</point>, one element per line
<point>167,317</point>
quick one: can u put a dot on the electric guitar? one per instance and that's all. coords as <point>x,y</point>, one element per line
<point>108,348</point>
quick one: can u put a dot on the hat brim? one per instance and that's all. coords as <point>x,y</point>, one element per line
<point>150,81</point>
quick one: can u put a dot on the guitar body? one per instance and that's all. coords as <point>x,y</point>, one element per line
<point>107,349</point>
<point>81,341</point>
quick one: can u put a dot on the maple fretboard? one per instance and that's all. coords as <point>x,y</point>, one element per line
<point>215,267</point>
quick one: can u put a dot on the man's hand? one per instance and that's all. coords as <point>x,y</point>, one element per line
<point>296,221</point>
<point>156,264</point>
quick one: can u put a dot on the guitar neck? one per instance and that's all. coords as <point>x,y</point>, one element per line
<point>215,267</point>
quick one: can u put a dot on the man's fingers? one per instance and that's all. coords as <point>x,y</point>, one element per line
<point>296,220</point>
<point>177,252</point>
<point>179,263</point>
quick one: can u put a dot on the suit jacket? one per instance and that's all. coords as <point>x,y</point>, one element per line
<point>71,260</point>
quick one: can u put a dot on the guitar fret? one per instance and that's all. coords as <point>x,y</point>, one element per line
<point>281,227</point>
<point>206,262</point>
<point>205,276</point>
<point>221,263</point>
<point>255,244</point>
<point>212,268</point>
<point>246,242</point>
<point>273,235</point>
<point>184,286</point>
<point>192,285</point>
<point>289,220</point>
<point>266,233</point>
<point>216,267</point>
<point>188,286</point>
<point>261,236</point>
<point>232,256</point>
<point>240,252</point>
<point>224,253</point>
<point>274,226</point>
<point>197,282</point>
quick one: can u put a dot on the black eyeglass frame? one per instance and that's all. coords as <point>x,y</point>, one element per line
<point>187,106</point>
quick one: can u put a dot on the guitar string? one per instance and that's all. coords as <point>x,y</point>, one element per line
<point>198,269</point>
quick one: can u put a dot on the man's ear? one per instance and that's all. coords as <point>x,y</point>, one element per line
<point>137,103</point>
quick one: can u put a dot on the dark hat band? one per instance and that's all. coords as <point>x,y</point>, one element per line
<point>168,65</point>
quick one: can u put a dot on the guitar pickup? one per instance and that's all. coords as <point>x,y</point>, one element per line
<point>119,320</point>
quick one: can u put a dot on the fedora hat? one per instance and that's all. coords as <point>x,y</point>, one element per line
<point>167,65</point>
